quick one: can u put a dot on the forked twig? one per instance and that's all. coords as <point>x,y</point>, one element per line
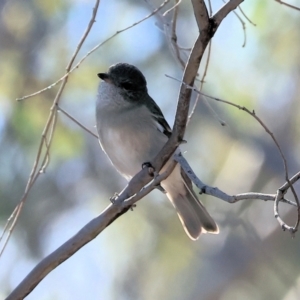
<point>215,192</point>
<point>279,196</point>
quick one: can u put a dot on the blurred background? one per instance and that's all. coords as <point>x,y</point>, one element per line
<point>145,254</point>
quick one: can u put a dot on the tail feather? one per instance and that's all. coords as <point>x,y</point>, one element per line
<point>192,213</point>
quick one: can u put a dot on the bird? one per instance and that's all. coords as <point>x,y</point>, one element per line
<point>132,130</point>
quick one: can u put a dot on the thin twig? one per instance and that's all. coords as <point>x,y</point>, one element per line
<point>93,50</point>
<point>243,26</point>
<point>173,38</point>
<point>252,113</point>
<point>279,196</point>
<point>215,192</point>
<point>77,122</point>
<point>202,83</point>
<point>288,5</point>
<point>47,137</point>
<point>242,22</point>
<point>177,2</point>
<point>220,15</point>
<point>245,16</point>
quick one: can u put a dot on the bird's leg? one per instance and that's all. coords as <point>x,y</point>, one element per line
<point>151,170</point>
<point>152,173</point>
<point>114,198</point>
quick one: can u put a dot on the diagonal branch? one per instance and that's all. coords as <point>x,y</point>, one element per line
<point>84,236</point>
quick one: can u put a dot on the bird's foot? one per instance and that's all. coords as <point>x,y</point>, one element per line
<point>151,170</point>
<point>114,198</point>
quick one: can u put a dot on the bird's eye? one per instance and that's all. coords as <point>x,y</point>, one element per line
<point>126,85</point>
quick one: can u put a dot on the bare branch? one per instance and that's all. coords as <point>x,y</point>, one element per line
<point>243,26</point>
<point>279,196</point>
<point>252,113</point>
<point>172,8</point>
<point>84,236</point>
<point>202,83</point>
<point>247,18</point>
<point>59,109</point>
<point>215,192</point>
<point>174,36</point>
<point>47,135</point>
<point>70,70</point>
<point>288,5</point>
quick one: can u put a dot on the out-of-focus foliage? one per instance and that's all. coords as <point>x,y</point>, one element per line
<point>145,254</point>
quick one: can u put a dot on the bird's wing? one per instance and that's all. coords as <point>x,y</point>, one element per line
<point>159,117</point>
<point>162,124</point>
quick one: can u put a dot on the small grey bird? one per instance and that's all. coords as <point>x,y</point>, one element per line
<point>132,130</point>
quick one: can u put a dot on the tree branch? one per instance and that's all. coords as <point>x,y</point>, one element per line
<point>42,160</point>
<point>84,236</point>
<point>215,192</point>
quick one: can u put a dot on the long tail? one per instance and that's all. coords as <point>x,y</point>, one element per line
<point>192,213</point>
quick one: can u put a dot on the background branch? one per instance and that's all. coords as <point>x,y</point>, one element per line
<point>41,161</point>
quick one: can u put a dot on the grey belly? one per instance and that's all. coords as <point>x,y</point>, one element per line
<point>128,149</point>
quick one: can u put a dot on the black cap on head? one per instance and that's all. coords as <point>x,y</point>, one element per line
<point>123,73</point>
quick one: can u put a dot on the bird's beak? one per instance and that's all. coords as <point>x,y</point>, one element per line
<point>105,77</point>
